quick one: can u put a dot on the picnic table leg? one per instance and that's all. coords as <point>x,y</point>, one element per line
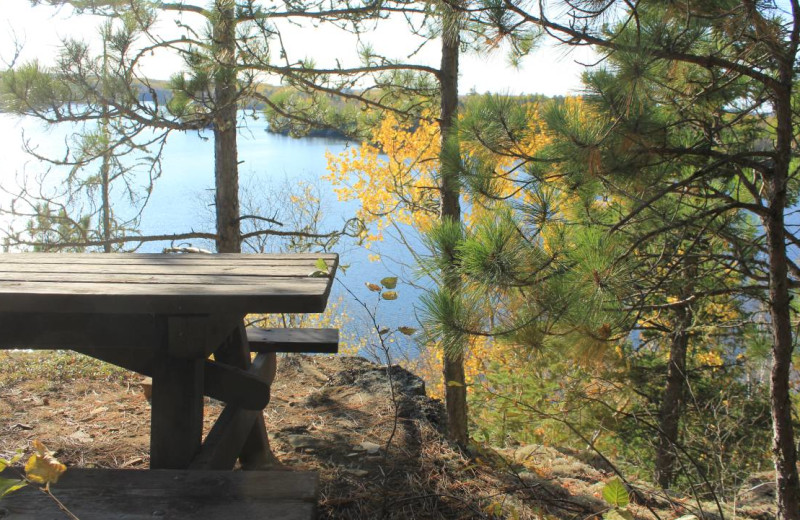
<point>256,452</point>
<point>177,412</point>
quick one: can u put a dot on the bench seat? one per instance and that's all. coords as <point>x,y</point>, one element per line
<point>109,494</point>
<point>317,341</point>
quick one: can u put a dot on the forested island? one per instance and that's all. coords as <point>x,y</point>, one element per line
<point>611,274</point>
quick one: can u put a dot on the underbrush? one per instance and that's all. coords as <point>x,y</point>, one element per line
<point>55,366</point>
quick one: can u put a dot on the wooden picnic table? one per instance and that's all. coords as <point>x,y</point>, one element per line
<point>163,315</point>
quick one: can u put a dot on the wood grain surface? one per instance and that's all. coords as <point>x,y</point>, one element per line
<point>95,494</point>
<point>130,283</point>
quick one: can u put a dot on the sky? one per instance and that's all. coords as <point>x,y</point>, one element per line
<point>548,70</point>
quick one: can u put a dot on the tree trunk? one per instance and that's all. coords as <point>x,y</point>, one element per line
<point>226,164</point>
<point>105,181</point>
<point>455,382</point>
<point>673,401</point>
<point>783,447</point>
<point>105,166</point>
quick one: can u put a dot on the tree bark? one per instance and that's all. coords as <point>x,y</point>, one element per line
<point>783,447</point>
<point>105,166</point>
<point>455,381</point>
<point>226,164</point>
<point>672,404</point>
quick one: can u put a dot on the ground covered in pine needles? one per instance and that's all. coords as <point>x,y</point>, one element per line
<point>371,433</point>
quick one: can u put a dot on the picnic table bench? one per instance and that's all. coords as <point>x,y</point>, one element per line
<point>165,315</point>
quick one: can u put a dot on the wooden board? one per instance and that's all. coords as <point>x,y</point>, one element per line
<point>176,415</point>
<point>239,433</point>
<point>224,383</point>
<point>66,330</point>
<point>160,259</point>
<point>293,340</point>
<point>93,494</point>
<point>163,284</point>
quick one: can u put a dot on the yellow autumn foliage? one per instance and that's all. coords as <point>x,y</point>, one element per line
<point>42,467</point>
<point>393,176</point>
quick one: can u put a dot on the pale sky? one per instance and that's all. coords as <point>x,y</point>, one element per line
<point>547,70</point>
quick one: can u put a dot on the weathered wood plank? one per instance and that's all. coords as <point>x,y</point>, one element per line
<point>167,259</point>
<point>175,278</point>
<point>246,389</point>
<point>272,286</point>
<point>286,270</point>
<point>255,453</point>
<point>293,340</point>
<point>234,429</point>
<point>176,420</point>
<point>93,494</point>
<point>66,330</point>
<point>59,285</point>
<point>308,296</point>
<point>224,383</point>
<point>197,336</point>
<point>224,442</point>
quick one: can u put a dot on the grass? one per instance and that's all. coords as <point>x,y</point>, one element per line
<point>56,366</point>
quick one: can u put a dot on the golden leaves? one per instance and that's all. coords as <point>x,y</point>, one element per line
<point>392,177</point>
<point>42,467</point>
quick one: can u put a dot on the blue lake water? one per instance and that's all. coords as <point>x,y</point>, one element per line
<point>181,198</point>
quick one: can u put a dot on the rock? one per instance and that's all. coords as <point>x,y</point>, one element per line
<point>81,436</point>
<point>370,447</point>
<point>314,372</point>
<point>304,441</point>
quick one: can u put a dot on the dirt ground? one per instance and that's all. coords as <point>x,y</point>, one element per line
<point>371,433</point>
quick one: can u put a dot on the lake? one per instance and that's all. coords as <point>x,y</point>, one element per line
<point>269,165</point>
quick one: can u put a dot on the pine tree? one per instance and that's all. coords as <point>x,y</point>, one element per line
<point>724,74</point>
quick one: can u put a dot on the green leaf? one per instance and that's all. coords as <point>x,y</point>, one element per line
<point>389,295</point>
<point>318,274</point>
<point>408,331</point>
<point>17,457</point>
<point>615,494</point>
<point>618,514</point>
<point>454,383</point>
<point>343,268</point>
<point>9,485</point>
<point>3,464</point>
<point>321,265</point>
<point>389,282</point>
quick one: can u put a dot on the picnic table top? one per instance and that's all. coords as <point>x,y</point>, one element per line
<point>137,283</point>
